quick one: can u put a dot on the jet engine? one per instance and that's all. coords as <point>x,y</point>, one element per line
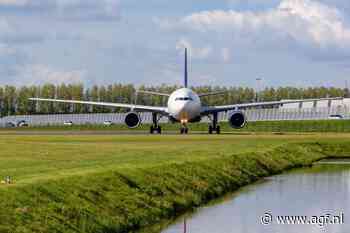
<point>132,120</point>
<point>237,120</point>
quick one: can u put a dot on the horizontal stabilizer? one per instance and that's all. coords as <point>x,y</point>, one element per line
<point>213,93</point>
<point>153,93</point>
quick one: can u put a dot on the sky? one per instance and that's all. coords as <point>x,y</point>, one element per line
<point>231,42</point>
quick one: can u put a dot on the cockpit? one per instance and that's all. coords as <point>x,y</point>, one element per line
<point>184,99</point>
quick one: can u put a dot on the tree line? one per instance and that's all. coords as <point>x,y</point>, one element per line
<point>14,100</point>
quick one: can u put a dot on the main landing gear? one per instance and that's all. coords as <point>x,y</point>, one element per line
<point>214,127</point>
<point>155,128</point>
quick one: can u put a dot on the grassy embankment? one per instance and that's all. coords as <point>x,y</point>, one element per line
<point>121,183</point>
<point>340,126</point>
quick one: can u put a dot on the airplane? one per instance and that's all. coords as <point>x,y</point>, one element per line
<point>184,106</point>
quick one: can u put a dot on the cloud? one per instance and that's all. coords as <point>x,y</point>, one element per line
<point>15,3</point>
<point>18,68</point>
<point>21,74</point>
<point>10,59</point>
<point>88,9</point>
<point>66,9</point>
<point>39,74</point>
<point>5,28</point>
<point>226,54</point>
<point>12,33</point>
<point>6,50</point>
<point>199,53</point>
<point>303,22</point>
<point>254,4</point>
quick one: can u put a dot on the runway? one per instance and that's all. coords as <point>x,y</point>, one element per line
<point>113,132</point>
<point>97,132</point>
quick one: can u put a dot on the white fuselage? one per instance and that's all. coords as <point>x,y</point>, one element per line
<point>184,105</point>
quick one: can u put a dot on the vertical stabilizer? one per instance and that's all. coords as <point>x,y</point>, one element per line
<point>186,70</point>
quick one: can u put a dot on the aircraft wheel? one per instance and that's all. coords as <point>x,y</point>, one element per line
<point>218,130</point>
<point>182,131</point>
<point>151,130</point>
<point>159,130</point>
<point>210,129</point>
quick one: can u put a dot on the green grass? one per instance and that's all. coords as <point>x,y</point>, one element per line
<point>34,157</point>
<point>120,183</point>
<point>339,126</point>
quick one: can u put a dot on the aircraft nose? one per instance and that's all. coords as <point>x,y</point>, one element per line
<point>184,111</point>
<point>184,106</point>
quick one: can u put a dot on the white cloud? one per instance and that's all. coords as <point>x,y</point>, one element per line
<point>307,22</point>
<point>12,33</point>
<point>88,9</point>
<point>26,4</point>
<point>6,50</point>
<point>226,54</point>
<point>18,3</point>
<point>195,52</point>
<point>68,9</point>
<point>5,27</point>
<point>39,74</point>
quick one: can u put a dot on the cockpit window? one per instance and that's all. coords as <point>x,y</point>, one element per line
<point>184,99</point>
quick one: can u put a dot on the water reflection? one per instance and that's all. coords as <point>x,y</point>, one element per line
<point>320,190</point>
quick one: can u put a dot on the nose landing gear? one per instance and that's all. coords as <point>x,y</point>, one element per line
<point>155,126</point>
<point>214,127</point>
<point>184,129</point>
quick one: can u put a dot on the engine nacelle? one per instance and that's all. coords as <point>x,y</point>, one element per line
<point>237,120</point>
<point>132,120</point>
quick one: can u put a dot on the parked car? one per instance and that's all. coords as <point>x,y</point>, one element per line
<point>107,123</point>
<point>10,125</point>
<point>68,123</point>
<point>22,123</point>
<point>335,117</point>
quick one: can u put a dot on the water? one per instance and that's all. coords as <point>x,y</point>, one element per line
<point>320,191</point>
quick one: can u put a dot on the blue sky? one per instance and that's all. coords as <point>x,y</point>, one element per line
<point>231,42</point>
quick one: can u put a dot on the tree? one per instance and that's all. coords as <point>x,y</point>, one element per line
<point>22,101</point>
<point>15,100</point>
<point>77,93</point>
<point>10,100</point>
<point>2,103</point>
<point>48,91</point>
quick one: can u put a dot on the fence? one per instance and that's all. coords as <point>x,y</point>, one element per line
<point>251,114</point>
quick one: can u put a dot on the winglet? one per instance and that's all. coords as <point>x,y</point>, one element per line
<point>186,71</point>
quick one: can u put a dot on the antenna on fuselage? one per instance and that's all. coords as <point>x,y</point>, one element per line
<point>186,70</point>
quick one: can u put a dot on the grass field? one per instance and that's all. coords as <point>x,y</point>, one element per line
<point>34,157</point>
<point>116,183</point>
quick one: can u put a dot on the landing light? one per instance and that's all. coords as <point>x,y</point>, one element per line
<point>184,121</point>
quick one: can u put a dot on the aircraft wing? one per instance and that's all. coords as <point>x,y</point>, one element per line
<point>214,109</point>
<point>140,108</point>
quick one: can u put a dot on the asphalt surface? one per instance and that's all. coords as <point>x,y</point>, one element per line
<point>87,132</point>
<point>104,132</point>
